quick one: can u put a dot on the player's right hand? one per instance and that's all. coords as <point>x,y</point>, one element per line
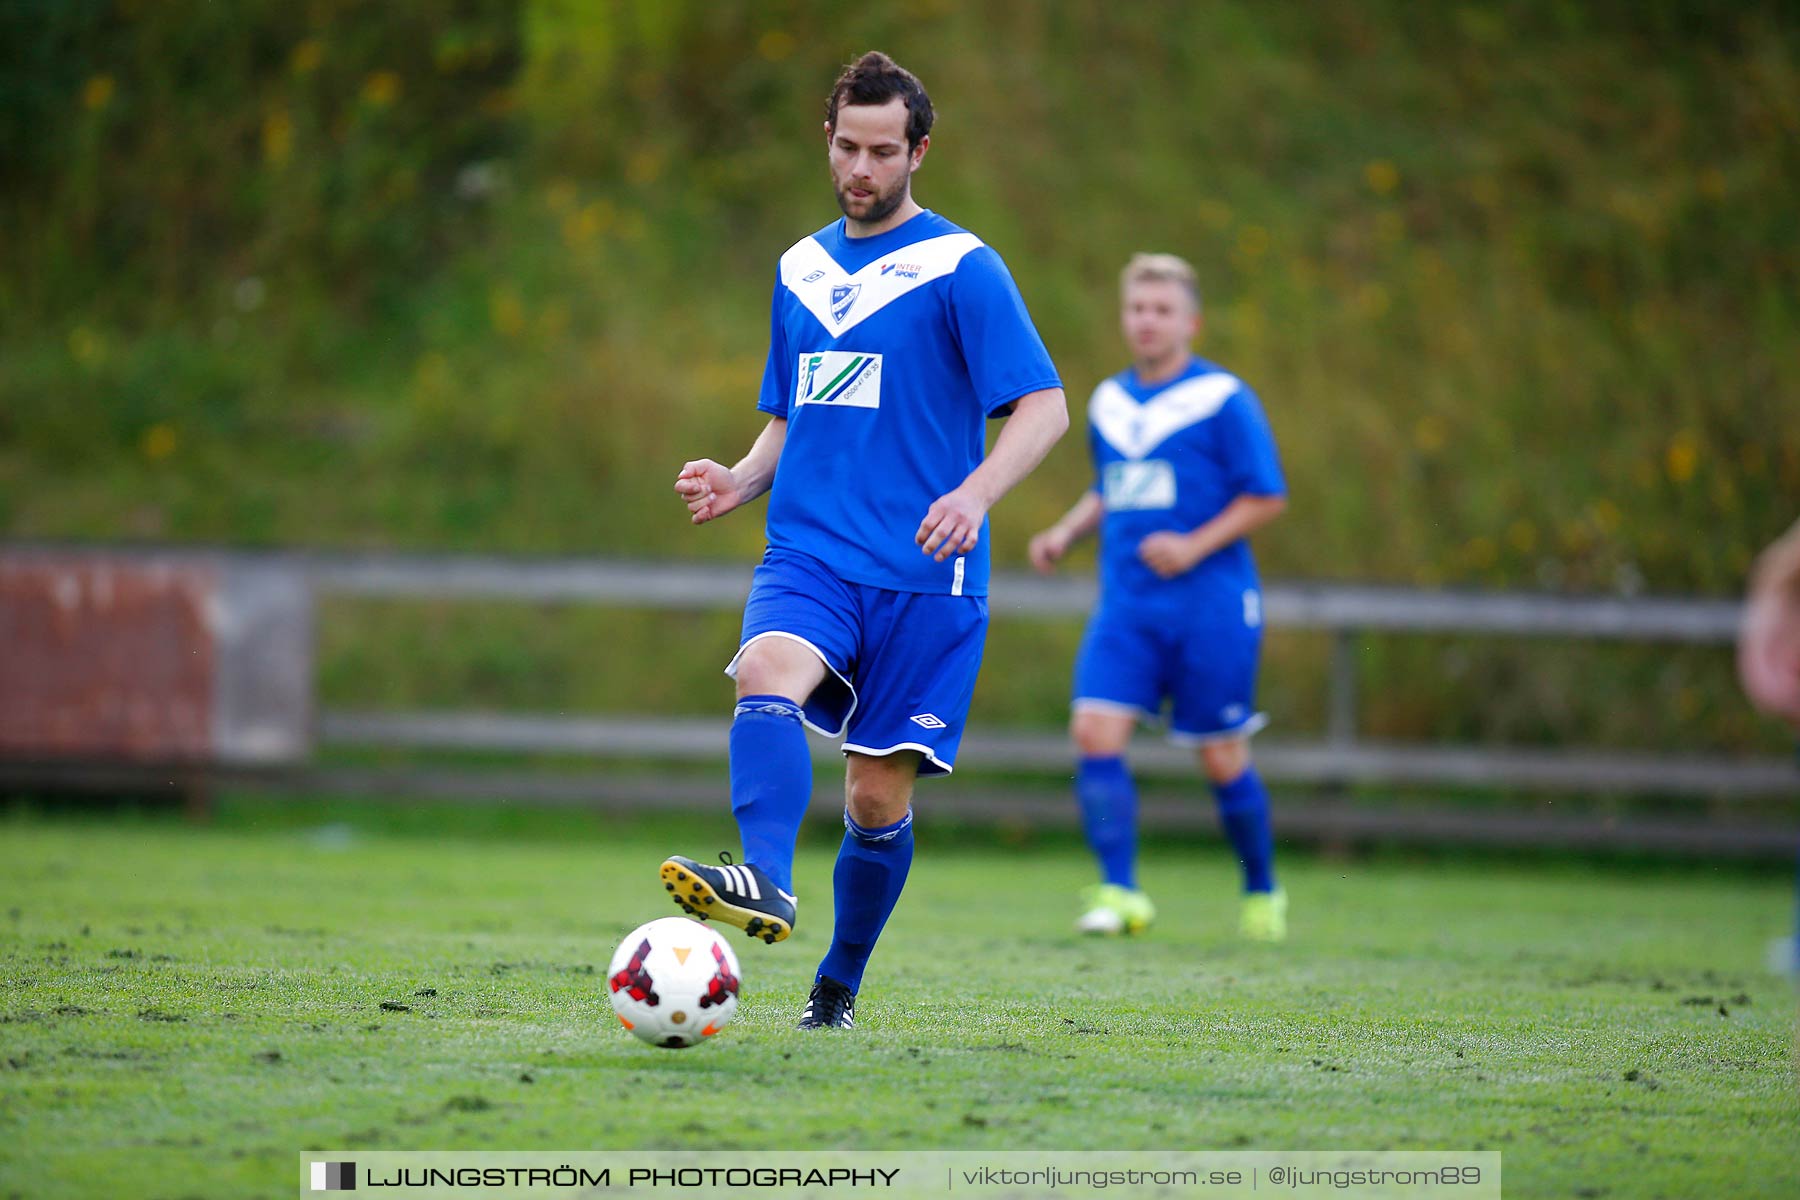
<point>709,489</point>
<point>1046,549</point>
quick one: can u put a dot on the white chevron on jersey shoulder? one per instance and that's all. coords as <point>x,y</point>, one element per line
<point>1135,429</point>
<point>816,280</point>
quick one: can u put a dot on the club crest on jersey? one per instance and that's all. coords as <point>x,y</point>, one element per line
<point>843,295</point>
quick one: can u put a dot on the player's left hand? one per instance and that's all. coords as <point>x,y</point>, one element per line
<point>952,525</point>
<point>1168,554</point>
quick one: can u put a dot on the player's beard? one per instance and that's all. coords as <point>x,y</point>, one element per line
<point>881,205</point>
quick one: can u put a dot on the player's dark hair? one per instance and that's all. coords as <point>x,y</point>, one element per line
<point>875,79</point>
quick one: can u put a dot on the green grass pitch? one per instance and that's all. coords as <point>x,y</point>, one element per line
<point>186,1009</point>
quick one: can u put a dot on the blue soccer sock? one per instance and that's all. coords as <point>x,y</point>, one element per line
<point>1244,812</point>
<point>1109,816</point>
<point>771,782</point>
<point>871,871</point>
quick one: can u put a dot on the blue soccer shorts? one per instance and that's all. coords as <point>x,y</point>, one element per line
<point>901,666</point>
<point>1202,664</point>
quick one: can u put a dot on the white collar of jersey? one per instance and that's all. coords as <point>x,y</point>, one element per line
<point>816,280</point>
<point>1135,429</point>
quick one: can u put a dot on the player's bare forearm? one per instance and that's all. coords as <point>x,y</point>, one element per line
<point>711,490</point>
<point>1083,517</point>
<point>755,472</point>
<point>1240,519</point>
<point>952,524</point>
<point>1038,421</point>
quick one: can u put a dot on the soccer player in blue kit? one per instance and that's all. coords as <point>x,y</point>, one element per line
<point>1186,470</point>
<point>894,336</point>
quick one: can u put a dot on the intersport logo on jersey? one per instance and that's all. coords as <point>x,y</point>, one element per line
<point>840,378</point>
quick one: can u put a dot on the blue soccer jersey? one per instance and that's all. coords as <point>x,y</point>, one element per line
<point>887,355</point>
<point>1172,456</point>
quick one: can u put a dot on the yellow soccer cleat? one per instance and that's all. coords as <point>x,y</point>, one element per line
<point>1263,917</point>
<point>1112,909</point>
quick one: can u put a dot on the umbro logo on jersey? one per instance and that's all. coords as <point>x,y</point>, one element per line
<point>814,277</point>
<point>902,270</point>
<point>928,721</point>
<point>842,297</point>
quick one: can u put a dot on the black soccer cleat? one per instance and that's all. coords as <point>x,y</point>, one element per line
<point>831,1006</point>
<point>736,893</point>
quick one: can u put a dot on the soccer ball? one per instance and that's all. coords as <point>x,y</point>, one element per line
<point>674,983</point>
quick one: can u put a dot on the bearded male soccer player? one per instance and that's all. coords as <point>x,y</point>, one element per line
<point>1186,470</point>
<point>894,336</point>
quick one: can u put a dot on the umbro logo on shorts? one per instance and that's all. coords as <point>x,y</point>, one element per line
<point>928,721</point>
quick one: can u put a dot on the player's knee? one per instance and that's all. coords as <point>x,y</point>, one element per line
<point>756,676</point>
<point>874,804</point>
<point>1224,762</point>
<point>1099,735</point>
<point>775,667</point>
<point>878,790</point>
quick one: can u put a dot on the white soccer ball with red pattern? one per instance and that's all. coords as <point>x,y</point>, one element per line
<point>674,983</point>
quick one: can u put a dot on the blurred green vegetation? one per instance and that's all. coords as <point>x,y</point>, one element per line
<point>1517,284</point>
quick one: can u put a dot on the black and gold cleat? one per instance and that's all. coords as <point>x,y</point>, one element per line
<point>736,893</point>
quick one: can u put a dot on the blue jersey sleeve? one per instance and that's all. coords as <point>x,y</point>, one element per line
<point>778,373</point>
<point>1255,467</point>
<point>1005,356</point>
